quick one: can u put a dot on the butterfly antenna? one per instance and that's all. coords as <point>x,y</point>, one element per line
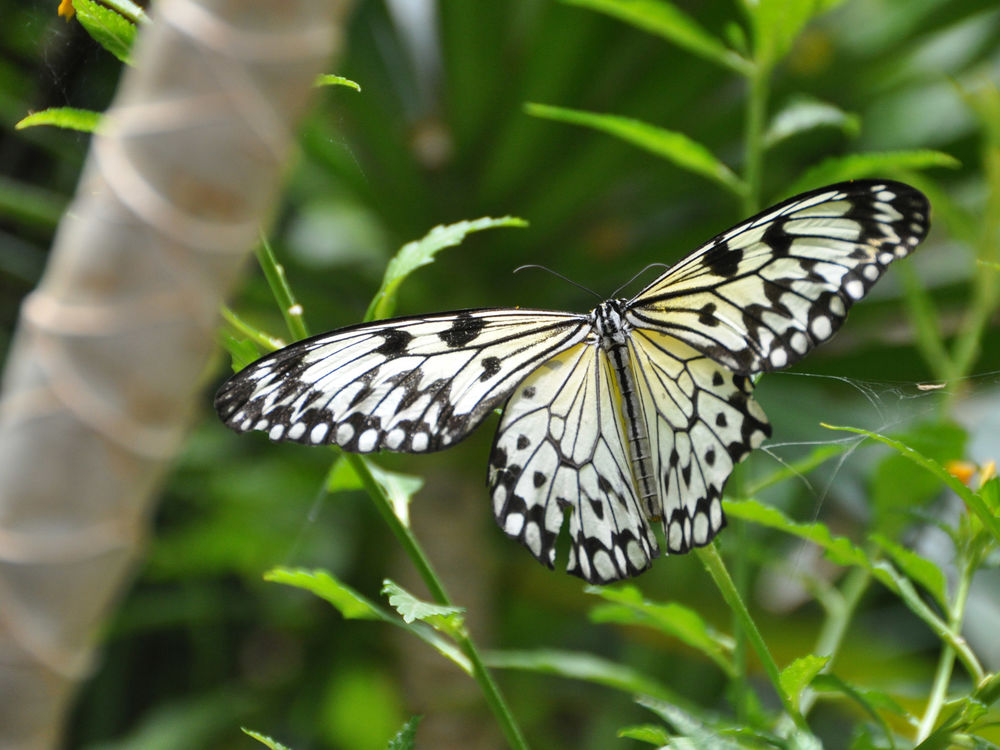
<point>651,265</point>
<point>564,278</point>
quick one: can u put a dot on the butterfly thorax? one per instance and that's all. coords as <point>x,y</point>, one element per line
<point>612,331</point>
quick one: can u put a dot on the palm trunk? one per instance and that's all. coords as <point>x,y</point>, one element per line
<point>108,362</point>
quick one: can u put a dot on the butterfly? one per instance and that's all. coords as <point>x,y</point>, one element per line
<point>616,421</point>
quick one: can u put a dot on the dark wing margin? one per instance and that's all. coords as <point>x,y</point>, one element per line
<point>761,295</point>
<point>414,384</point>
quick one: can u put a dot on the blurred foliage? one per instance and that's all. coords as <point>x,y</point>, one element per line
<point>469,110</point>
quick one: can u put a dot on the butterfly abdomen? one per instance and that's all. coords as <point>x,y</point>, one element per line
<point>612,331</point>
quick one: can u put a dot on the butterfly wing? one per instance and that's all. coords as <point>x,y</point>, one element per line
<point>758,297</point>
<point>560,449</point>
<point>701,421</point>
<point>410,384</point>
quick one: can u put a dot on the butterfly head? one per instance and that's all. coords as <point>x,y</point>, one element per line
<point>608,320</point>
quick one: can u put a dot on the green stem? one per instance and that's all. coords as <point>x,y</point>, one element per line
<point>754,139</point>
<point>831,637</point>
<point>415,552</point>
<point>274,272</point>
<point>925,319</point>
<point>263,340</point>
<point>985,287</point>
<point>713,563</point>
<point>946,662</point>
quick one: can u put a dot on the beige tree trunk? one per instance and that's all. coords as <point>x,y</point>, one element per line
<point>110,355</point>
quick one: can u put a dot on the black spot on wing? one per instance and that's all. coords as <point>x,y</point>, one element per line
<point>491,366</point>
<point>464,329</point>
<point>395,342</point>
<point>777,238</point>
<point>722,260</point>
<point>706,315</point>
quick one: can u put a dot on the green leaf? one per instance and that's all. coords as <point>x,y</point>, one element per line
<point>242,351</point>
<point>673,146</point>
<point>870,164</point>
<point>327,79</point>
<point>342,476</point>
<point>838,549</point>
<point>920,569</point>
<point>871,702</point>
<point>819,455</point>
<point>797,675</point>
<point>699,734</point>
<point>349,602</point>
<point>629,607</point>
<point>406,737</point>
<point>776,23</point>
<point>582,666</point>
<point>970,498</point>
<point>652,734</point>
<point>449,620</point>
<point>264,739</point>
<point>990,492</point>
<point>670,22</point>
<point>421,252</point>
<point>70,118</point>
<point>399,489</point>
<point>805,114</point>
<point>897,491</point>
<point>111,30</point>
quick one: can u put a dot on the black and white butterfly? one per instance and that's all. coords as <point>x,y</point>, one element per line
<point>626,417</point>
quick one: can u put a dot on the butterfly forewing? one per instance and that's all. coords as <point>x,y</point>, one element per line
<point>413,384</point>
<point>560,448</point>
<point>758,297</point>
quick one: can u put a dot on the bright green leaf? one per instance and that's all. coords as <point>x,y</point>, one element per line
<point>448,620</point>
<point>242,351</point>
<point>673,146</point>
<point>818,456</point>
<point>872,702</point>
<point>839,549</point>
<point>342,477</point>
<point>111,30</point>
<point>803,114</point>
<point>652,734</point>
<point>406,737</point>
<point>970,498</point>
<point>670,22</point>
<point>421,252</point>
<point>326,79</point>
<point>70,118</point>
<point>870,164</point>
<point>399,489</point>
<point>920,569</point>
<point>685,723</point>
<point>264,739</point>
<point>797,675</point>
<point>585,667</point>
<point>897,491</point>
<point>629,607</point>
<point>349,602</point>
<point>777,23</point>
<point>990,492</point>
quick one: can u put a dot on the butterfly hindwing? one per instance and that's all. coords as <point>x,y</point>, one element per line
<point>560,449</point>
<point>412,384</point>
<point>701,420</point>
<point>758,297</point>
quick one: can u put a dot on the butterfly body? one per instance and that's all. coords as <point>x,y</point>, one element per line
<point>616,422</point>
